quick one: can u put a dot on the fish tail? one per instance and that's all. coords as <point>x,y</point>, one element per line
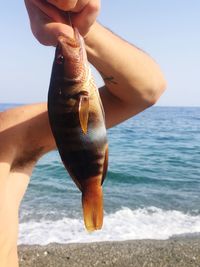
<point>92,202</point>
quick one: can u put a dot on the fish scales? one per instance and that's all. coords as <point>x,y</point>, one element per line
<point>77,121</point>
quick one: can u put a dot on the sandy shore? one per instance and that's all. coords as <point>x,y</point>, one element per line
<point>144,253</point>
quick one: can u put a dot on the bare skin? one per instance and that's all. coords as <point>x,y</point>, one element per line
<point>49,21</point>
<point>133,82</point>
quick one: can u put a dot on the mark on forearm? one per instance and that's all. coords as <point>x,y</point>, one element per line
<point>108,79</point>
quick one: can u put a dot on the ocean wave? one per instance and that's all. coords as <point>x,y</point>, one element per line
<point>125,224</point>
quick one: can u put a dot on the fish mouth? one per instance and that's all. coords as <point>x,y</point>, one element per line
<point>70,53</point>
<point>69,47</point>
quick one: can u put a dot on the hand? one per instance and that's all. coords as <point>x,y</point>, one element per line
<point>49,20</point>
<point>84,12</point>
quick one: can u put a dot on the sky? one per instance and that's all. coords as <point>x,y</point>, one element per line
<point>169,31</point>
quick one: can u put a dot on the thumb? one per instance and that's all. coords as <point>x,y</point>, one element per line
<point>49,33</point>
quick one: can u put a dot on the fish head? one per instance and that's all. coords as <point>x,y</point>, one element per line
<point>71,55</point>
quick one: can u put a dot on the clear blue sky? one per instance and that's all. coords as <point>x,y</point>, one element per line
<point>167,30</point>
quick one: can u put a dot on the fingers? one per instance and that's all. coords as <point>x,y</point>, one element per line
<point>49,33</point>
<point>80,5</point>
<point>83,12</point>
<point>66,5</point>
<point>70,5</point>
<point>47,22</point>
<point>84,19</point>
<point>51,11</point>
<point>48,17</point>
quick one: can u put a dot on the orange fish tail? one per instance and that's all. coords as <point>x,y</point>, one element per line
<point>92,201</point>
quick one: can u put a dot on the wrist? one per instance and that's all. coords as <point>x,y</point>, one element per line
<point>91,31</point>
<point>91,39</point>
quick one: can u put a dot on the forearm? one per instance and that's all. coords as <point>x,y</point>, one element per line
<point>25,134</point>
<point>129,74</point>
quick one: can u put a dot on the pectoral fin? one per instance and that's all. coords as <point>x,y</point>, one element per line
<point>83,110</point>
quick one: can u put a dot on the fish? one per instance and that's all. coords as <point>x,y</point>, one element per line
<point>77,121</point>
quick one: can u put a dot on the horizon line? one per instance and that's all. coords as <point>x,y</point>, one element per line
<point>160,106</point>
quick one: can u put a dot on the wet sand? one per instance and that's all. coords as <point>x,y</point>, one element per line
<point>145,253</point>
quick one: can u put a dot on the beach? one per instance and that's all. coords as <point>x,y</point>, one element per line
<point>166,253</point>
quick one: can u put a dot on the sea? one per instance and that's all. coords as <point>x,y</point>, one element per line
<point>152,189</point>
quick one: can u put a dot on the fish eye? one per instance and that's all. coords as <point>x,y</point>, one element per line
<point>60,59</point>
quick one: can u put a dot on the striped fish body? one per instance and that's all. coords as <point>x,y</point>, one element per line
<point>77,121</point>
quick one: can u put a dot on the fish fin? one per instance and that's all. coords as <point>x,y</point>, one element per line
<point>105,165</point>
<point>92,202</point>
<point>83,111</point>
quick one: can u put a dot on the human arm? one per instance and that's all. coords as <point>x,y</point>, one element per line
<point>25,135</point>
<point>133,81</point>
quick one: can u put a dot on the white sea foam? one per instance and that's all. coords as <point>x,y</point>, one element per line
<point>125,224</point>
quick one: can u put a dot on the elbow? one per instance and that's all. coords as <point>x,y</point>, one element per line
<point>154,91</point>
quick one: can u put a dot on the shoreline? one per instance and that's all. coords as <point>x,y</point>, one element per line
<point>175,252</point>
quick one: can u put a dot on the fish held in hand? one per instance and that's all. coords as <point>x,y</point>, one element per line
<point>77,121</point>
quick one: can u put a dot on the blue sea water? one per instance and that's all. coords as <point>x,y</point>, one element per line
<point>152,189</point>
